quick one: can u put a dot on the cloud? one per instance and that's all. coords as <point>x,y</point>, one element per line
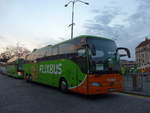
<point>10,40</point>
<point>95,11</point>
<point>139,22</point>
<point>101,24</point>
<point>128,35</point>
<point>107,16</point>
<point>30,43</point>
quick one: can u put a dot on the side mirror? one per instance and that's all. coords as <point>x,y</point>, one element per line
<point>127,51</point>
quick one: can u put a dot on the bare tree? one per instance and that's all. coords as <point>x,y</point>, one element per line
<point>13,51</point>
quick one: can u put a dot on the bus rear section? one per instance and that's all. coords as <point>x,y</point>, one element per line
<point>14,68</point>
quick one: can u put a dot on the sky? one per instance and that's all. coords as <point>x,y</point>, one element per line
<point>37,23</point>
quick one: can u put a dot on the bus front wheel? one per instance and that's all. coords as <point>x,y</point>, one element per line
<point>63,86</point>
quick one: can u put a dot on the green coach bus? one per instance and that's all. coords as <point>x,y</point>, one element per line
<point>14,68</point>
<point>86,64</point>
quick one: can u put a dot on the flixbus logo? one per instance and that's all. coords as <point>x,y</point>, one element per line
<point>51,68</point>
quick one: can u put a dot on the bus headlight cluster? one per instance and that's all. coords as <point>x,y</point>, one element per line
<point>95,84</point>
<point>111,79</point>
<point>19,73</point>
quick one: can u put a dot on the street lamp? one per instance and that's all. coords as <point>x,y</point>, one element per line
<point>73,3</point>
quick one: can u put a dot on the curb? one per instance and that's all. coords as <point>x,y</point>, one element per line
<point>136,93</point>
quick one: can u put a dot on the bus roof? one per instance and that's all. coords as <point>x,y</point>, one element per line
<point>91,36</point>
<point>87,36</point>
<point>83,36</point>
<point>42,51</point>
<point>78,37</point>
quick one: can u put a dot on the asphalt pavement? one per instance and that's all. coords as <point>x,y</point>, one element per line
<point>19,96</point>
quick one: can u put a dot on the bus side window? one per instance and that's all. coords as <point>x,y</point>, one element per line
<point>54,50</point>
<point>69,47</point>
<point>61,48</point>
<point>49,51</point>
<point>65,48</point>
<point>42,53</point>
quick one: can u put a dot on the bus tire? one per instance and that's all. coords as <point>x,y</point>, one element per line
<point>63,85</point>
<point>29,78</point>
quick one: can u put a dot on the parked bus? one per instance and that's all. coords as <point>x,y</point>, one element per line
<point>14,68</point>
<point>86,64</point>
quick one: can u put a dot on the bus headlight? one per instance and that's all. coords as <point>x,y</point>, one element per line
<point>95,84</point>
<point>19,73</point>
<point>111,79</point>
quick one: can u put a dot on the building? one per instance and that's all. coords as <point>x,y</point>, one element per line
<point>142,53</point>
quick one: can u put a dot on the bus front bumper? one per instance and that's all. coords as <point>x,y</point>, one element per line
<point>101,84</point>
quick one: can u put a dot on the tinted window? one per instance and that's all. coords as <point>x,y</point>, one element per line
<point>64,48</point>
<point>37,54</point>
<point>69,47</point>
<point>55,50</point>
<point>104,48</point>
<point>49,51</point>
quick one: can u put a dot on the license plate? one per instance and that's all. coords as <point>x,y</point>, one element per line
<point>111,89</point>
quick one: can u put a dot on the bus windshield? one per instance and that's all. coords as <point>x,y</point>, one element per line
<point>105,57</point>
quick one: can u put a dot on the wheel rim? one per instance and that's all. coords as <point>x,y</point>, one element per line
<point>63,85</point>
<point>30,78</point>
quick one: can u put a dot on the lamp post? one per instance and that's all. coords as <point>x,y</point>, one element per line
<point>73,3</point>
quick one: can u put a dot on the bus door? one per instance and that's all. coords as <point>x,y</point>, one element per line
<point>34,71</point>
<point>83,65</point>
